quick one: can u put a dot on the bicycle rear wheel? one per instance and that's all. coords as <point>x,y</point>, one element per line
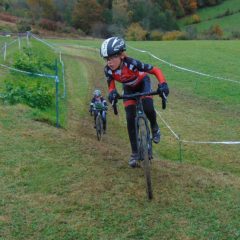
<point>99,127</point>
<point>143,138</point>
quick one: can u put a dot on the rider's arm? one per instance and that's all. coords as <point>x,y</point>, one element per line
<point>158,74</point>
<point>91,107</point>
<point>110,79</point>
<point>148,68</point>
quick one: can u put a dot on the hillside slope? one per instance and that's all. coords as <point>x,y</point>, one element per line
<point>226,15</point>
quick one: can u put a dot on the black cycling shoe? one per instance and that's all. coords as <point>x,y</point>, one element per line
<point>133,161</point>
<point>156,135</point>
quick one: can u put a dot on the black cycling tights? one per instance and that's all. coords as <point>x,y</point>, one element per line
<point>130,116</point>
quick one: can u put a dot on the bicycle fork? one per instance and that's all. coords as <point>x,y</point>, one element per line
<point>142,117</point>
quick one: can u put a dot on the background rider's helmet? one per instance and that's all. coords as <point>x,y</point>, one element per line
<point>112,46</point>
<point>97,93</point>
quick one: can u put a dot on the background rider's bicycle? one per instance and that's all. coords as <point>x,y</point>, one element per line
<point>98,110</point>
<point>144,140</point>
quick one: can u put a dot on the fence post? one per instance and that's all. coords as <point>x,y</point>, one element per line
<point>180,148</point>
<point>5,51</point>
<point>19,43</point>
<point>28,38</point>
<point>56,82</point>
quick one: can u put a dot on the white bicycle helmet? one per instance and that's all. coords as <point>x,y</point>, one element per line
<point>112,46</point>
<point>97,93</point>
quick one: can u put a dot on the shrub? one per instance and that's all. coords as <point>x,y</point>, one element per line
<point>214,32</point>
<point>34,94</point>
<point>236,34</point>
<point>23,26</point>
<point>156,35</point>
<point>135,32</point>
<point>29,61</point>
<point>191,32</point>
<point>26,63</point>
<point>174,35</point>
<point>48,24</point>
<point>115,29</point>
<point>195,19</point>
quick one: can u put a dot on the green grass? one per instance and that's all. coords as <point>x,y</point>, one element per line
<point>209,18</point>
<point>64,184</point>
<point>199,108</point>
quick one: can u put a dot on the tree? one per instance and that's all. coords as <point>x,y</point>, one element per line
<point>65,8</point>
<point>189,6</point>
<point>119,12</point>
<point>42,9</point>
<point>85,14</point>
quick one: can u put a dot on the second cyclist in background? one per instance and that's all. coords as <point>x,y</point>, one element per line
<point>98,103</point>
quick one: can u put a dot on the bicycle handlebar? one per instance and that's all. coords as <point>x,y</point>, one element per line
<point>137,95</point>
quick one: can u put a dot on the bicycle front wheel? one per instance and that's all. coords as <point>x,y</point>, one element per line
<point>99,127</point>
<point>143,137</point>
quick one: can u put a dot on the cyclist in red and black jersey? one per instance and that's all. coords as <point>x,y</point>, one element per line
<point>133,74</point>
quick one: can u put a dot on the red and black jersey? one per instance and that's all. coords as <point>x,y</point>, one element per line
<point>131,73</point>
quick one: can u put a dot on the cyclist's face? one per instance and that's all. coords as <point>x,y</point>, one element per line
<point>114,61</point>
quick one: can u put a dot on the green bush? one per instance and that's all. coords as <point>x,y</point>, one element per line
<point>34,94</point>
<point>30,61</point>
<point>23,25</point>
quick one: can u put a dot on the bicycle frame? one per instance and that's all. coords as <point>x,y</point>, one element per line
<point>144,142</point>
<point>141,115</point>
<point>99,125</point>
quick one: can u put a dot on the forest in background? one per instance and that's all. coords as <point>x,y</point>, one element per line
<point>133,19</point>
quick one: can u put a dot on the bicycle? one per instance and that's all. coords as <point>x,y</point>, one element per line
<point>144,140</point>
<point>98,109</point>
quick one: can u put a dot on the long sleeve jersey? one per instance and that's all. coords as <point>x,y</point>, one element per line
<point>131,73</point>
<point>98,102</point>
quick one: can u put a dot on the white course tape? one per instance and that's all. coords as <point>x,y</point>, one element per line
<point>196,142</point>
<point>175,135</point>
<point>29,73</point>
<point>183,68</point>
<point>44,42</point>
<point>202,142</point>
<point>8,44</point>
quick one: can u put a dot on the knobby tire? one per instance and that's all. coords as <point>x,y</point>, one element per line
<point>99,127</point>
<point>143,146</point>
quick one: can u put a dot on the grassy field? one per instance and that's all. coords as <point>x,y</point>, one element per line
<point>64,184</point>
<point>211,16</point>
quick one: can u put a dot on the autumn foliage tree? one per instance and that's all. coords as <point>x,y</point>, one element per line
<point>86,13</point>
<point>43,9</point>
